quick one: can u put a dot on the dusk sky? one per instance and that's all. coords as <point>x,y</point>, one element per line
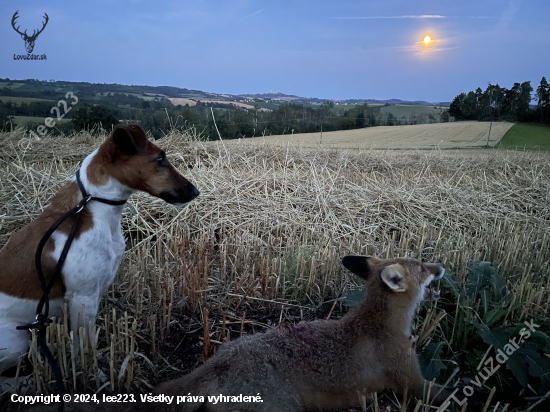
<point>325,49</point>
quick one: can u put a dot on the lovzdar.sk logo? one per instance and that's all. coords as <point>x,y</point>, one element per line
<point>29,40</point>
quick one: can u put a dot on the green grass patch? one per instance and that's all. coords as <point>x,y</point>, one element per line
<point>341,108</point>
<point>19,100</point>
<point>10,85</point>
<point>400,110</point>
<point>25,120</point>
<point>526,137</point>
<point>408,111</point>
<point>263,105</point>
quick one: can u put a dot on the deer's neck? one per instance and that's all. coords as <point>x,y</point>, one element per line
<point>380,312</point>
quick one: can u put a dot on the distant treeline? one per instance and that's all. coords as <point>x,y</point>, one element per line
<point>234,122</point>
<point>50,90</point>
<point>499,103</point>
<point>105,105</point>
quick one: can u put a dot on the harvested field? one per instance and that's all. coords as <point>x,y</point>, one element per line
<point>424,136</point>
<point>262,244</point>
<point>182,101</point>
<point>192,102</point>
<point>410,110</point>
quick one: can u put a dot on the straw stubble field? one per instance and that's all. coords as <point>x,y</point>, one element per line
<point>262,244</point>
<point>454,135</point>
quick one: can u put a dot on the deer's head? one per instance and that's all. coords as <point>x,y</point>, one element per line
<point>29,40</point>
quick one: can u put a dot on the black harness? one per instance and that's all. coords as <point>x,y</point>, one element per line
<point>42,321</point>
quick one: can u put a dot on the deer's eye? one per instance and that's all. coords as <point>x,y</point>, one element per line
<point>161,160</point>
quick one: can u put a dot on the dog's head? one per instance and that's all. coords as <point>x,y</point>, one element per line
<point>408,278</point>
<point>139,164</point>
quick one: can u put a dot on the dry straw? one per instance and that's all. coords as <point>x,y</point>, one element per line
<point>266,235</point>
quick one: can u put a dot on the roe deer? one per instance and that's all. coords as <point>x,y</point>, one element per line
<point>325,364</point>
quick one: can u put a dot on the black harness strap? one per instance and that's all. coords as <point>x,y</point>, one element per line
<point>42,321</point>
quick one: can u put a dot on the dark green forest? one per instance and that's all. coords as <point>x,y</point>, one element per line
<point>499,103</point>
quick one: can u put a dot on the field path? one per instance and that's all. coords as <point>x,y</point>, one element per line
<point>423,136</point>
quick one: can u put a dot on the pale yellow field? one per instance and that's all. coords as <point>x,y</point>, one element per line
<point>183,101</point>
<point>192,102</point>
<point>423,136</point>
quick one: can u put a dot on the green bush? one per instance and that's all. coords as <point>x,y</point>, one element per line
<point>478,327</point>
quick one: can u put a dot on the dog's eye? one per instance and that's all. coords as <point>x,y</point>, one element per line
<point>422,268</point>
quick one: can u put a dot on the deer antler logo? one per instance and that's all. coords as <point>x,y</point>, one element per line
<point>29,40</point>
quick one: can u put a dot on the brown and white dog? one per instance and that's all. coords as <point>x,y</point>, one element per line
<point>126,162</point>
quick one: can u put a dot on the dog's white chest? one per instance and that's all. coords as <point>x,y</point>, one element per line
<point>94,257</point>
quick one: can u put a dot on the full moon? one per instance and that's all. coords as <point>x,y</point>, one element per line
<point>427,39</point>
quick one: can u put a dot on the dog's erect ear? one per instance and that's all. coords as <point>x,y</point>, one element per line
<point>394,277</point>
<point>129,139</point>
<point>360,265</point>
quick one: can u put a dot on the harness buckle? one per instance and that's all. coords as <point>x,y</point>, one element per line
<point>41,323</point>
<point>82,204</point>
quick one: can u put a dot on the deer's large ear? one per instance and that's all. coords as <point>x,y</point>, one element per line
<point>394,277</point>
<point>129,139</point>
<point>361,266</point>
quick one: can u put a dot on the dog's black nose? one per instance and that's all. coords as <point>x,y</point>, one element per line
<point>195,192</point>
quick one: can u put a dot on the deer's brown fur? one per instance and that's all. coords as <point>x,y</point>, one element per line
<point>324,365</point>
